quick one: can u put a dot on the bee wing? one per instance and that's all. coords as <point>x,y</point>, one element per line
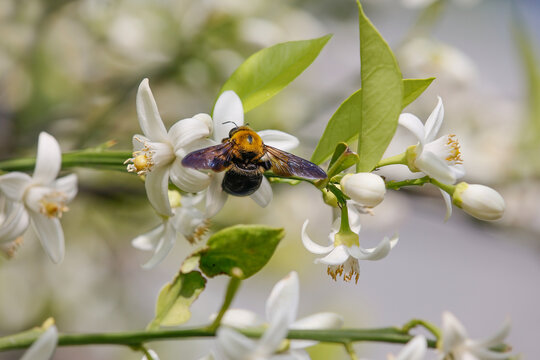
<point>286,164</point>
<point>214,158</point>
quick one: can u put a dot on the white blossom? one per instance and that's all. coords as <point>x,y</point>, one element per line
<point>480,201</point>
<point>343,250</point>
<point>39,200</point>
<point>228,114</point>
<point>158,154</point>
<point>367,189</point>
<point>281,309</point>
<point>186,220</point>
<point>456,345</point>
<point>414,350</point>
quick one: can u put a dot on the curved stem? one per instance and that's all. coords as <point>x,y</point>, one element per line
<point>350,351</point>
<point>427,325</point>
<point>396,185</point>
<point>136,338</point>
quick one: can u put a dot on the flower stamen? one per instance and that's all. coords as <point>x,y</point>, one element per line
<point>142,161</point>
<point>53,204</point>
<point>199,232</point>
<point>455,153</point>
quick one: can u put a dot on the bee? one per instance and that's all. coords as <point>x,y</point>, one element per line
<point>244,158</point>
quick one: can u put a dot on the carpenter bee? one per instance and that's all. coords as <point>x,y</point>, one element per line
<point>245,157</point>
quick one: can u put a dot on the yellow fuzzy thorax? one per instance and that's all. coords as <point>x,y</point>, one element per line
<point>247,140</point>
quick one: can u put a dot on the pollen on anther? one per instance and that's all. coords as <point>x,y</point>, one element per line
<point>455,152</point>
<point>199,232</point>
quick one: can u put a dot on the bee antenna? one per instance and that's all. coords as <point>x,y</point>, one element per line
<point>232,122</point>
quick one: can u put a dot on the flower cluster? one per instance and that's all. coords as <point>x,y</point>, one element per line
<point>37,201</point>
<point>158,156</point>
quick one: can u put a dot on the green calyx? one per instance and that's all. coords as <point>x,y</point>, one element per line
<point>456,196</point>
<point>411,158</point>
<point>347,238</point>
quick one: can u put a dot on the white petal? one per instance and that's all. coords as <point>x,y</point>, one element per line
<point>448,202</point>
<point>15,224</point>
<point>458,170</point>
<point>325,320</point>
<point>434,121</point>
<point>276,332</point>
<point>186,131</point>
<point>50,234</point>
<point>164,247</point>
<point>187,179</point>
<point>67,185</point>
<point>376,253</point>
<point>147,111</point>
<point>157,190</point>
<point>279,139</point>
<point>14,184</point>
<point>283,300</point>
<point>299,355</point>
<point>153,355</point>
<point>312,246</point>
<point>414,350</point>
<point>240,318</point>
<point>453,332</point>
<point>43,348</point>
<point>337,257</point>
<point>215,196</point>
<point>150,240</point>
<point>263,195</point>
<point>234,345</point>
<point>486,354</point>
<point>436,168</point>
<point>354,209</point>
<point>48,160</point>
<point>228,108</point>
<point>497,338</point>
<point>414,125</point>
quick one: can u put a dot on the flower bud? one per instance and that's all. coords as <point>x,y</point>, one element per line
<point>329,198</point>
<point>480,201</point>
<point>366,188</point>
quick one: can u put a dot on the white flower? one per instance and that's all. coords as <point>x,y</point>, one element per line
<point>414,350</point>
<point>281,309</point>
<point>438,158</point>
<point>153,355</point>
<point>43,348</point>
<point>158,154</point>
<point>344,251</point>
<point>456,346</point>
<point>367,189</point>
<point>41,199</point>
<point>480,201</point>
<point>426,57</point>
<point>228,114</point>
<point>186,220</point>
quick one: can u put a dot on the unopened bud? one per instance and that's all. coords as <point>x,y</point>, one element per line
<point>329,198</point>
<point>479,201</point>
<point>366,188</point>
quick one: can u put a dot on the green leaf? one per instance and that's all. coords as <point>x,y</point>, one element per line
<point>342,159</point>
<point>531,68</point>
<point>247,247</point>
<point>382,94</point>
<point>344,125</point>
<point>175,298</point>
<point>269,70</point>
<point>413,88</point>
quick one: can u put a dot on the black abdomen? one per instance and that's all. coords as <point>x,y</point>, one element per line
<point>242,181</point>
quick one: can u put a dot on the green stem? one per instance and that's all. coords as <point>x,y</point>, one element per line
<point>344,227</point>
<point>136,338</point>
<point>446,187</point>
<point>396,185</point>
<point>427,325</point>
<point>232,288</point>
<point>393,160</point>
<point>113,160</point>
<point>350,351</point>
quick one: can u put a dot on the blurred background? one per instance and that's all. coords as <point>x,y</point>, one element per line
<point>72,68</point>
